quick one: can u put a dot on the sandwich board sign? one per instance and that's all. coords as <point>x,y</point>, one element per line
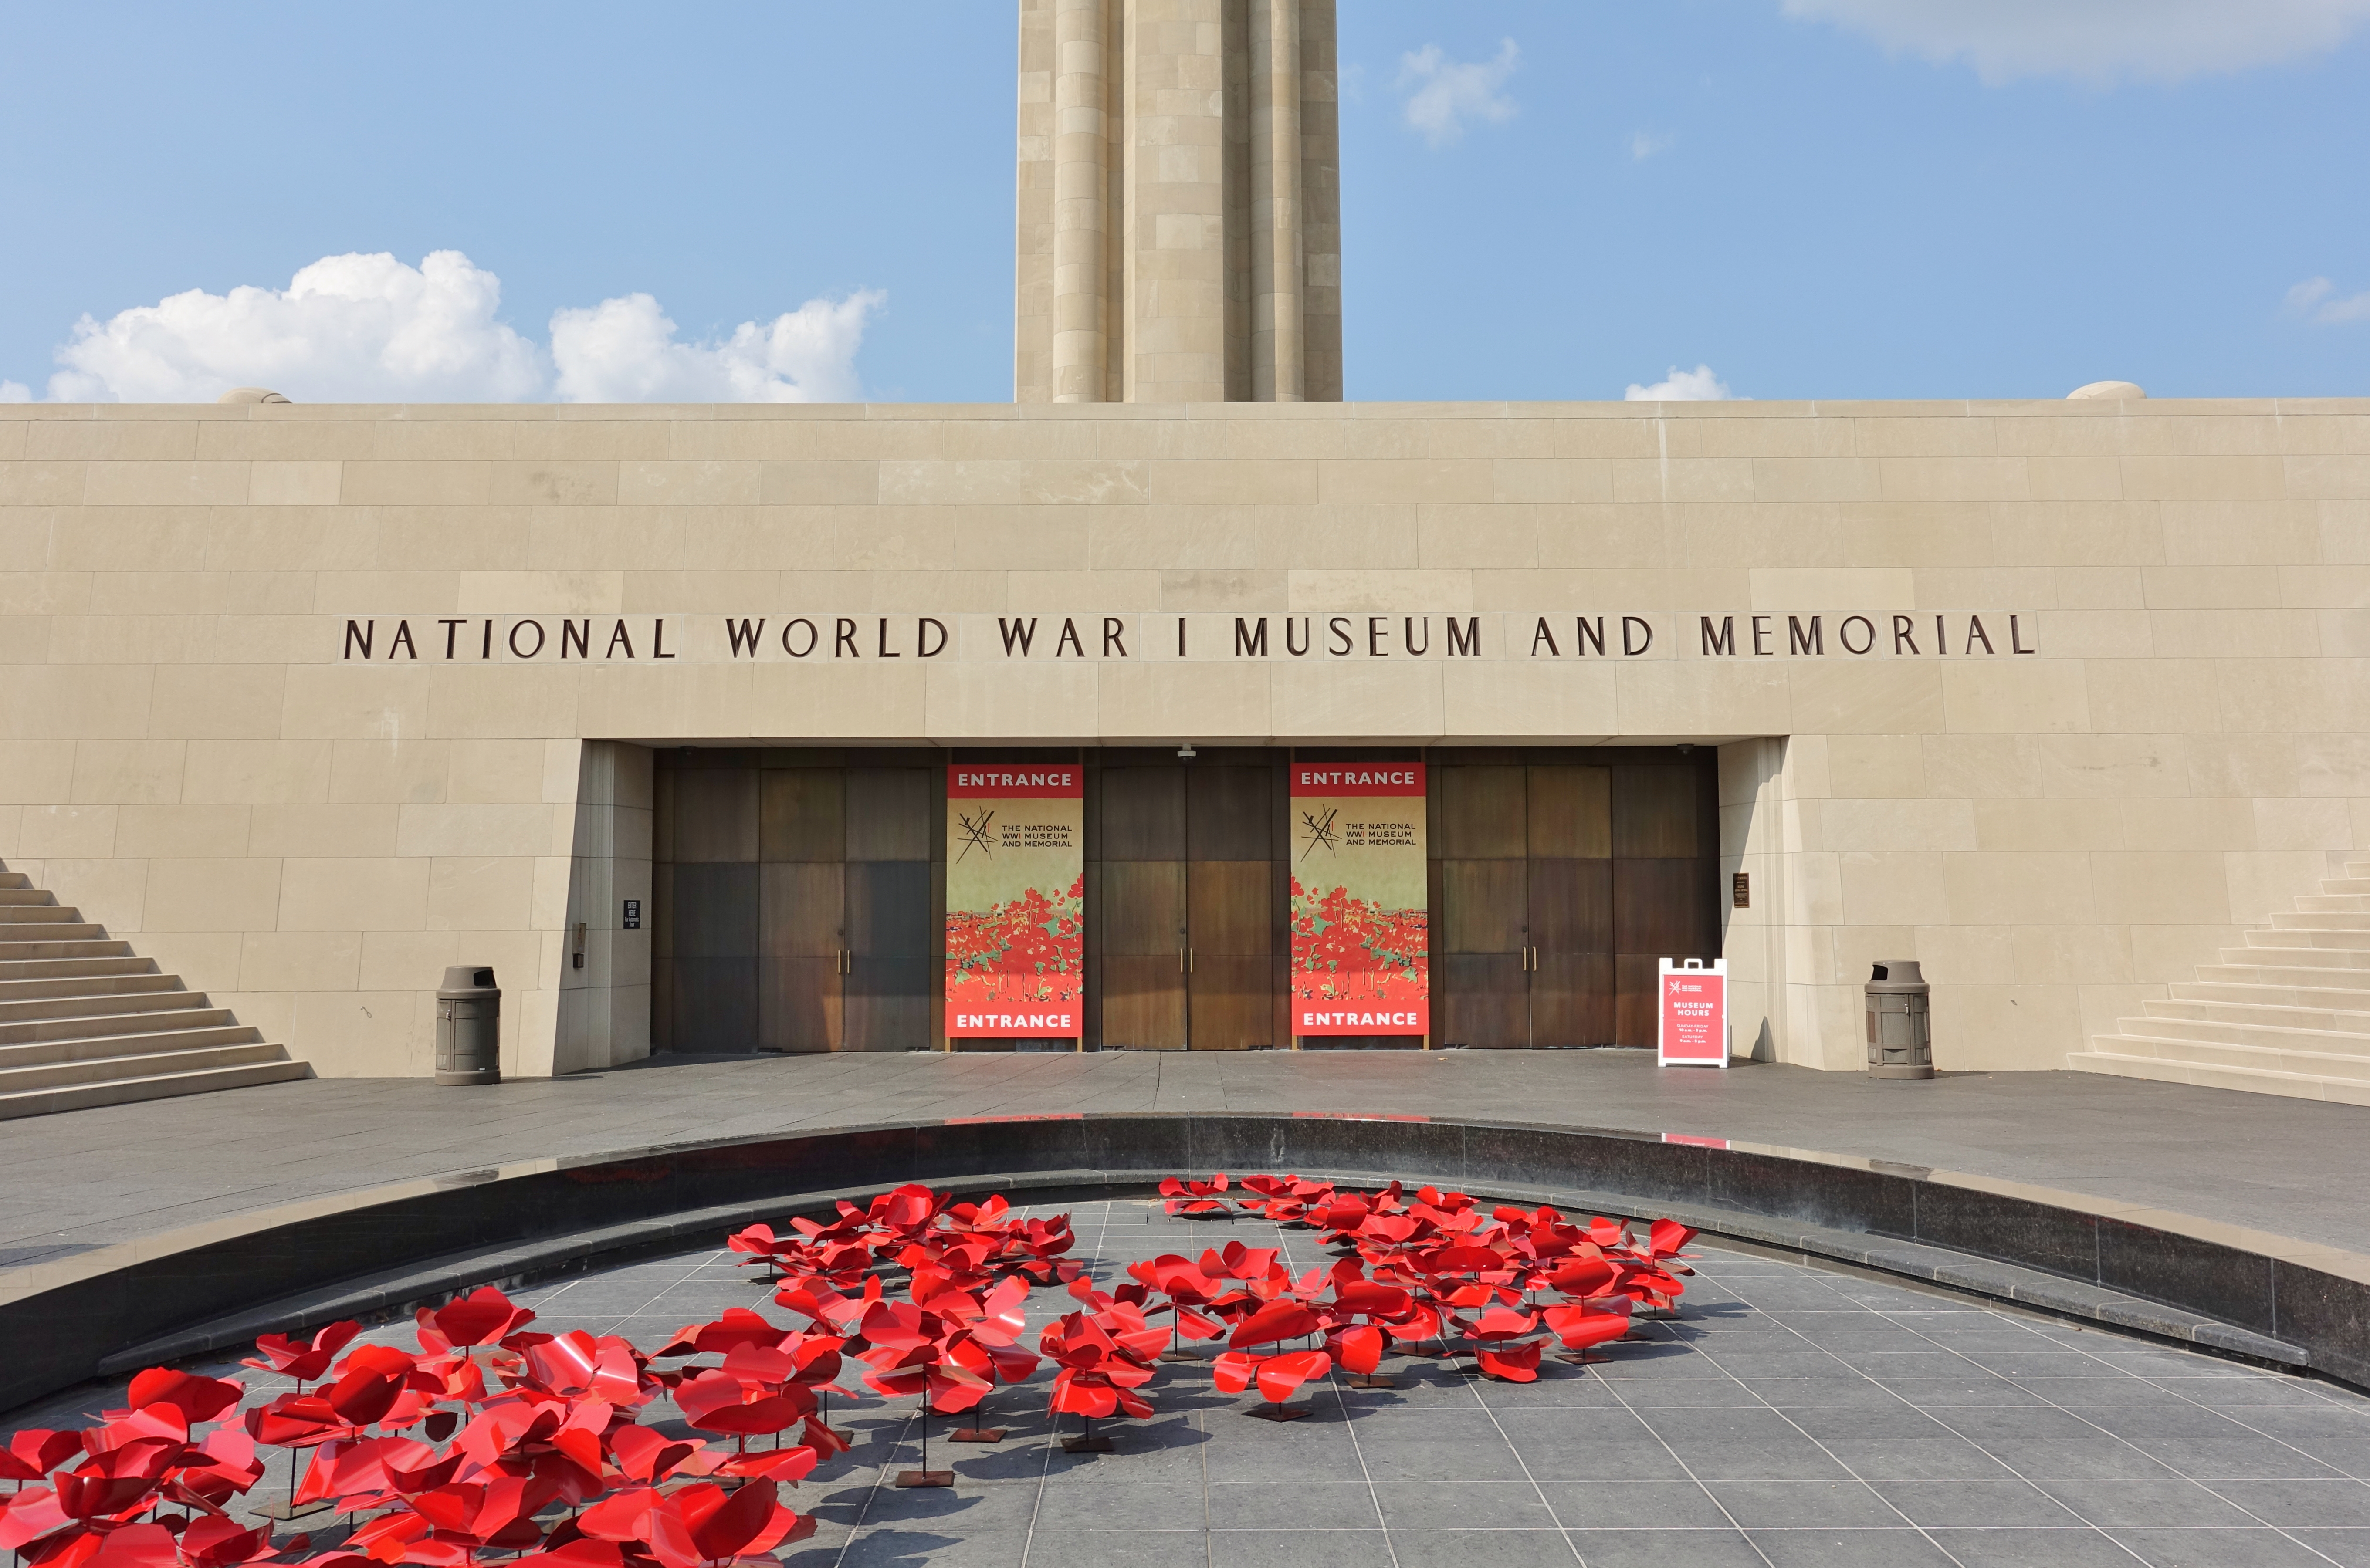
<point>1691,1007</point>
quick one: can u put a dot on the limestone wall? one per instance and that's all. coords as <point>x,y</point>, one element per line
<point>191,749</point>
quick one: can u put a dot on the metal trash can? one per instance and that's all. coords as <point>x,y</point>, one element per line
<point>1900,1030</point>
<point>468,1027</point>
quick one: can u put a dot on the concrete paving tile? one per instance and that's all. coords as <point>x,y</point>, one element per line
<point>1298,1549</point>
<point>2236,1459</point>
<point>1098,1549</point>
<point>2074,1547</point>
<point>903,1547</point>
<point>1463,1548</point>
<point>1513,1504</point>
<point>2140,1504</point>
<point>1314,1505</point>
<point>1848,1548</point>
<point>1976,1504</point>
<point>1633,1505</point>
<point>960,1509</point>
<point>1847,1505</point>
<point>2301,1503</point>
<point>1713,1546</point>
<point>2084,1395</point>
<point>1733,1424</point>
<point>2347,1548</point>
<point>1765,1460</point>
<point>1826,1394</point>
<point>2218,1548</point>
<point>1635,1459</point>
<point>1916,1459</point>
<point>1896,1422</point>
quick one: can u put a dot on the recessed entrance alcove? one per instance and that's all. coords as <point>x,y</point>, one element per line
<point>799,894</point>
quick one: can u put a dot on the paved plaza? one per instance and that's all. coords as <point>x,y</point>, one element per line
<point>86,1178</point>
<point>1790,1416</point>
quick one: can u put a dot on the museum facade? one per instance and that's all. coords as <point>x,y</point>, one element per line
<point>652,710</point>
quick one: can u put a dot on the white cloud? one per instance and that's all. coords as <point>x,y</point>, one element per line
<point>1644,145</point>
<point>2097,41</point>
<point>14,392</point>
<point>2312,300</point>
<point>346,329</point>
<point>369,328</point>
<point>1698,386</point>
<point>625,350</point>
<point>1447,92</point>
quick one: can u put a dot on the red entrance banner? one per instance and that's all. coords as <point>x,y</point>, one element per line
<point>1360,910</point>
<point>1016,886</point>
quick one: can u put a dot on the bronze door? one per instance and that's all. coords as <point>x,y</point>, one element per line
<point>1139,916</point>
<point>888,974</point>
<point>803,835</point>
<point>706,935</point>
<point>1481,984</point>
<point>1231,897</point>
<point>1663,885</point>
<point>1568,833</point>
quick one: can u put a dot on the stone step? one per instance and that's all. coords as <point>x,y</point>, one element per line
<point>2345,884</point>
<point>11,879</point>
<point>14,916</point>
<point>14,971</point>
<point>78,1000</point>
<point>2328,903</point>
<point>2282,975</point>
<point>15,936</point>
<point>166,1053</point>
<point>2269,1036</point>
<point>2306,919</point>
<point>157,1083</point>
<point>93,992</point>
<point>2109,1055</point>
<point>2357,868</point>
<point>2310,936</point>
<point>22,897</point>
<point>2256,1011</point>
<point>194,1014</point>
<point>2334,959</point>
<point>17,952</point>
<point>2304,991</point>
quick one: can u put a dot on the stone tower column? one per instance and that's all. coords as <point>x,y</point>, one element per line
<point>1081,200</point>
<point>1178,228</point>
<point>1275,346</point>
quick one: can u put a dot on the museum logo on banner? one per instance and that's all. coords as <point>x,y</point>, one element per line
<point>1015,889</point>
<point>1361,921</point>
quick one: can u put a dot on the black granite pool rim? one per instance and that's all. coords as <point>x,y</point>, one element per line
<point>2290,1301</point>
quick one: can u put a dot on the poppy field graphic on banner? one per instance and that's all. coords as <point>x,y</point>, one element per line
<point>1016,894</point>
<point>1361,920</point>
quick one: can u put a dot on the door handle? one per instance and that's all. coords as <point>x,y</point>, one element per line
<point>1184,961</point>
<point>846,962</point>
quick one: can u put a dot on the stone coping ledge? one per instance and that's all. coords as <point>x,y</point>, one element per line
<point>2268,1298</point>
<point>1137,413</point>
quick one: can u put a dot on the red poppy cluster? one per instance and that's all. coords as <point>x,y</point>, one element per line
<point>494,1437</point>
<point>1417,1271</point>
<point>452,1451</point>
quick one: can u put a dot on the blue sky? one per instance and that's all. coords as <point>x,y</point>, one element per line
<point>1866,199</point>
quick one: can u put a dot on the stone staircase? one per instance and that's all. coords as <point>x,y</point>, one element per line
<point>2288,1014</point>
<point>84,1022</point>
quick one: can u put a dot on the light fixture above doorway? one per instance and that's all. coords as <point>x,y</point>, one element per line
<point>1186,750</point>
